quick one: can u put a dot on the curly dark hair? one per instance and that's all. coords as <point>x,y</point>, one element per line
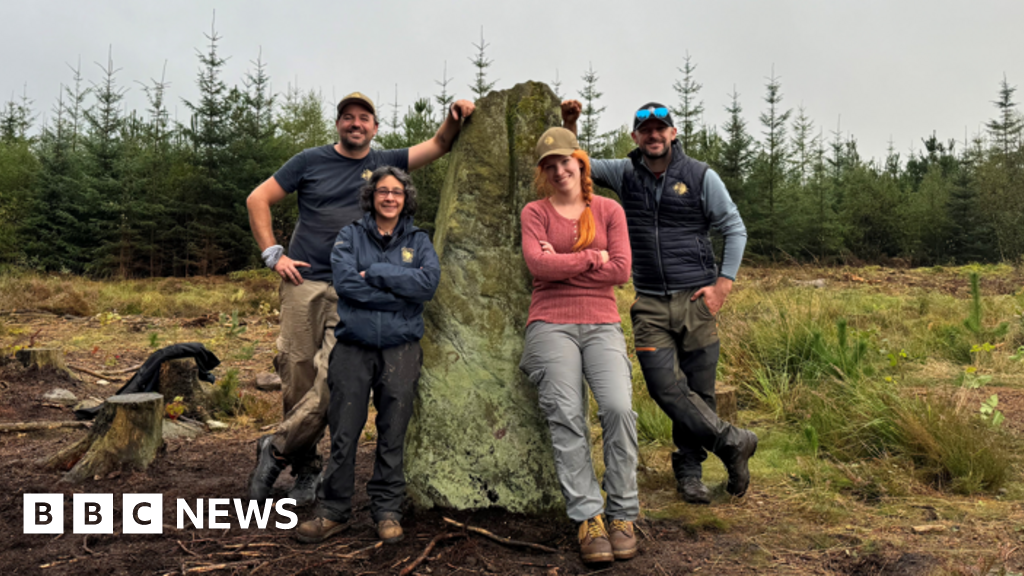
<point>366,193</point>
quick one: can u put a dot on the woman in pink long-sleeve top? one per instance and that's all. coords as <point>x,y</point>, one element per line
<point>577,248</point>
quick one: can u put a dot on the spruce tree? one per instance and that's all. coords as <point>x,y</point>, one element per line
<point>770,169</point>
<point>737,152</point>
<point>690,110</point>
<point>1007,127</point>
<point>591,140</point>
<point>445,99</point>
<point>210,225</point>
<point>481,86</point>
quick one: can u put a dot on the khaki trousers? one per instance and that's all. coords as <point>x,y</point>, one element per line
<point>309,313</point>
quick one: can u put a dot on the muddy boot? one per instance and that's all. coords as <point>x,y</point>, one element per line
<point>693,490</point>
<point>595,548</point>
<point>623,539</point>
<point>736,455</point>
<point>308,476</point>
<point>269,465</point>
<point>390,531</point>
<point>318,529</point>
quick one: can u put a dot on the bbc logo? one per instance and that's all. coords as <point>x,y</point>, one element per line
<point>94,514</point>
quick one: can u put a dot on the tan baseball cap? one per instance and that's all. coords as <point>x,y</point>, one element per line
<point>357,98</point>
<point>556,141</point>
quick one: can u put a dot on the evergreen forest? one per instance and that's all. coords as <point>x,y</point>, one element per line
<point>101,190</point>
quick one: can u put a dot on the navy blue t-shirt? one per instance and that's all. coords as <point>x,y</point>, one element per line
<point>328,186</point>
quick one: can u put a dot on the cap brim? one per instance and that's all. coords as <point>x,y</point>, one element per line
<point>363,103</point>
<point>653,119</point>
<point>556,152</point>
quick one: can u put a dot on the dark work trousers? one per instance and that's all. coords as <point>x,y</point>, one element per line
<point>392,374</point>
<point>676,341</point>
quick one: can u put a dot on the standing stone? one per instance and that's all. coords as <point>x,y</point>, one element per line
<point>478,438</point>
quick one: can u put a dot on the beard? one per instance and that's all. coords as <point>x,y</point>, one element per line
<point>664,152</point>
<point>351,146</point>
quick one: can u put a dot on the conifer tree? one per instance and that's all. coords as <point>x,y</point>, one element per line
<point>556,87</point>
<point>445,99</point>
<point>690,110</point>
<point>589,137</point>
<point>770,169</point>
<point>737,151</point>
<point>481,86</point>
<point>1006,129</point>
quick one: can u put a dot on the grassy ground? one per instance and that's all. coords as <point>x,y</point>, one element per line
<point>865,385</point>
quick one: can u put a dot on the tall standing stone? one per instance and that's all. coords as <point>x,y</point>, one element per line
<point>478,438</point>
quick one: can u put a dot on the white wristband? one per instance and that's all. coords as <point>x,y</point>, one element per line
<point>272,255</point>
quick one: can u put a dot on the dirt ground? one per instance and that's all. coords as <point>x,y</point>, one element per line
<point>774,530</point>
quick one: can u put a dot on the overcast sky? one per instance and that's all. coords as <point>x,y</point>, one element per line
<point>891,69</point>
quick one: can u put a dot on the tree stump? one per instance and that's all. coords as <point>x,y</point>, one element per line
<point>128,432</point>
<point>181,378</point>
<point>725,400</point>
<point>43,359</point>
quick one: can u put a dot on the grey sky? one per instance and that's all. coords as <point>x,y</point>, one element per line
<point>898,69</point>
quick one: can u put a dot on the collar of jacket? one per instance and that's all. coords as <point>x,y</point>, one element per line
<point>678,157</point>
<point>404,226</point>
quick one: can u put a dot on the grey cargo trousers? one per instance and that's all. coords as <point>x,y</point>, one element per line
<point>556,357</point>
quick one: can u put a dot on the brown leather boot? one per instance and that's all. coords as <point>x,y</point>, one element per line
<point>390,531</point>
<point>623,539</point>
<point>318,529</point>
<point>594,545</point>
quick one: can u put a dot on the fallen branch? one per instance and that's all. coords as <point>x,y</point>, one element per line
<point>187,551</point>
<point>360,551</point>
<point>212,567</point>
<point>41,425</point>
<point>499,539</point>
<point>125,370</point>
<point>94,374</point>
<point>426,552</point>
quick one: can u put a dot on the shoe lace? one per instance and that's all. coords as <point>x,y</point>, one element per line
<point>621,526</point>
<point>305,481</point>
<point>594,528</point>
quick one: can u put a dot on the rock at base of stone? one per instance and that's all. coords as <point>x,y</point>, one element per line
<point>268,382</point>
<point>478,438</point>
<point>174,429</point>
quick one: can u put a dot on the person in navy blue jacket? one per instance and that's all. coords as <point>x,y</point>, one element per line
<point>384,270</point>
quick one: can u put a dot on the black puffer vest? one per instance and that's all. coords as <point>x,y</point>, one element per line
<point>671,247</point>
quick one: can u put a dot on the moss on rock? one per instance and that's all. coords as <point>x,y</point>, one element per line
<point>478,438</point>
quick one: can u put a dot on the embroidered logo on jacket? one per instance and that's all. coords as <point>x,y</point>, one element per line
<point>680,188</point>
<point>366,174</point>
<point>407,254</point>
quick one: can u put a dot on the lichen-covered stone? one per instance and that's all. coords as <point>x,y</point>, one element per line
<point>478,438</point>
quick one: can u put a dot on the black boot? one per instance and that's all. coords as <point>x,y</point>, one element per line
<point>306,484</point>
<point>736,454</point>
<point>693,490</point>
<point>269,465</point>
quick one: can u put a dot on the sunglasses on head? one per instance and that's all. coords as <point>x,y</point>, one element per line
<point>647,112</point>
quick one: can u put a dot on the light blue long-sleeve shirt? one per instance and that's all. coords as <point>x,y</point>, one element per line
<point>719,209</point>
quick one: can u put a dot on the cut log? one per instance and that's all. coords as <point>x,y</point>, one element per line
<point>181,378</point>
<point>43,359</point>
<point>725,400</point>
<point>128,432</point>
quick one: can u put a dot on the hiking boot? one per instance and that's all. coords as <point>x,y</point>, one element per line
<point>318,529</point>
<point>735,458</point>
<point>304,490</point>
<point>594,545</point>
<point>269,465</point>
<point>390,531</point>
<point>623,539</point>
<point>693,490</point>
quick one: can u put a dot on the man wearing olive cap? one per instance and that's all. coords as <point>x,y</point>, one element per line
<point>327,180</point>
<point>671,201</point>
